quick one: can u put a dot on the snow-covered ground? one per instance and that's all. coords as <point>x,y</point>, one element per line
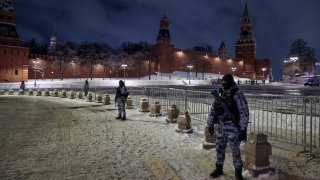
<point>176,78</point>
<point>56,138</point>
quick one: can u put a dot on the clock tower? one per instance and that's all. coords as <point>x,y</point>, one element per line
<point>246,44</point>
<point>13,54</point>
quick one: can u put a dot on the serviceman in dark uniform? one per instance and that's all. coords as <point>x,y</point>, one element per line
<point>120,99</point>
<point>229,112</point>
<point>86,88</point>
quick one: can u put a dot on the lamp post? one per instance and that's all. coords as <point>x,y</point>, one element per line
<point>110,74</point>
<point>35,68</point>
<point>124,70</point>
<point>263,70</point>
<point>233,70</point>
<point>189,67</point>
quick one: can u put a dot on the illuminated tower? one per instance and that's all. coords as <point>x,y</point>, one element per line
<point>223,51</point>
<point>52,44</point>
<point>13,56</point>
<point>164,48</point>
<point>164,35</point>
<point>246,44</point>
<point>8,32</point>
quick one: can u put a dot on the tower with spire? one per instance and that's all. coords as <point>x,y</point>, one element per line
<point>246,44</point>
<point>223,51</point>
<point>164,48</point>
<point>164,35</point>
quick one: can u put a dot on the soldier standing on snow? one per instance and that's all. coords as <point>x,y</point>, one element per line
<point>229,112</point>
<point>121,98</point>
<point>86,87</point>
<point>22,86</point>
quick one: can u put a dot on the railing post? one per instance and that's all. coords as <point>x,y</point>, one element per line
<point>304,124</point>
<point>311,132</point>
<point>185,100</point>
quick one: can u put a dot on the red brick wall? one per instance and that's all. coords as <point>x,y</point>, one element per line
<point>76,70</point>
<point>12,63</point>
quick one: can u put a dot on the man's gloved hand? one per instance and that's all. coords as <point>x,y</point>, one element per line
<point>243,134</point>
<point>211,129</point>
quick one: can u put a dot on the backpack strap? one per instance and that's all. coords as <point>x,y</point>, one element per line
<point>232,105</point>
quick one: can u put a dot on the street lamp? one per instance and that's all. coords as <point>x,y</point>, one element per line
<point>124,70</point>
<point>35,68</point>
<point>190,67</point>
<point>233,70</point>
<point>110,74</point>
<point>263,70</point>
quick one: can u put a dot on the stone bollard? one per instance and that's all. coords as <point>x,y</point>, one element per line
<point>184,125</point>
<point>209,141</point>
<point>173,113</point>
<point>20,92</point>
<point>155,109</point>
<point>89,97</point>
<point>63,94</point>
<point>72,95</point>
<point>106,99</point>
<point>46,92</point>
<point>144,105</point>
<point>99,98</point>
<point>129,103</point>
<point>30,92</point>
<point>2,92</point>
<point>39,92</point>
<point>257,151</point>
<point>10,92</point>
<point>55,93</point>
<point>79,95</point>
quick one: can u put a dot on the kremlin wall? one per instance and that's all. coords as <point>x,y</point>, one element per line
<point>16,64</point>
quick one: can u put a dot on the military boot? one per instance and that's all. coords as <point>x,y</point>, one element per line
<point>123,117</point>
<point>238,174</point>
<point>218,171</point>
<point>119,116</point>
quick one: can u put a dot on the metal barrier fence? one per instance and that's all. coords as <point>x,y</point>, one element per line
<point>290,119</point>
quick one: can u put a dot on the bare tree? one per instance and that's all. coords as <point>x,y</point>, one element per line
<point>305,61</point>
<point>90,54</point>
<point>63,54</point>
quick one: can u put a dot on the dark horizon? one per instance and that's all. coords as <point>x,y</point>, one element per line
<point>275,24</point>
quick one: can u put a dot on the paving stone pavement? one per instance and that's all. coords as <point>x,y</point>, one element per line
<point>54,138</point>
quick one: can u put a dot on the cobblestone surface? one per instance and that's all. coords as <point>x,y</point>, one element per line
<point>53,138</point>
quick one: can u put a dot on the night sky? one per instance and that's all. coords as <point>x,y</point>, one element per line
<point>276,23</point>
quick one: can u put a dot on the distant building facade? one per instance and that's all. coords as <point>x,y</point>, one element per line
<point>13,54</point>
<point>244,64</point>
<point>16,64</point>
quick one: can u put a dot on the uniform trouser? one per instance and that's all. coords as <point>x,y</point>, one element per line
<point>228,132</point>
<point>121,107</point>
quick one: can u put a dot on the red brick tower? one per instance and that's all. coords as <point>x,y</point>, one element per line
<point>246,45</point>
<point>13,56</point>
<point>164,48</point>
